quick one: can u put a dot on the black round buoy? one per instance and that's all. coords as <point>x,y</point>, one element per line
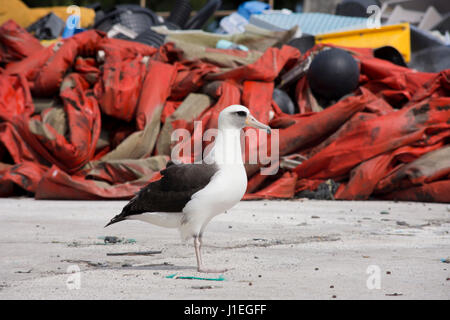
<point>283,101</point>
<point>333,73</point>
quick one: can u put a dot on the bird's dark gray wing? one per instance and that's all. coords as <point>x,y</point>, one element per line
<point>171,193</point>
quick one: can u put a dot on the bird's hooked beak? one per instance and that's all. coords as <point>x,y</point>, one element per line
<point>252,122</point>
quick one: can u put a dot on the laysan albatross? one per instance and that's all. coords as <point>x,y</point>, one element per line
<point>188,196</point>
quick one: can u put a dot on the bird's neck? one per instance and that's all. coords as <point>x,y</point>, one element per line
<point>227,147</point>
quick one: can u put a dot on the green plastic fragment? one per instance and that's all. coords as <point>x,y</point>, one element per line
<point>172,276</point>
<point>219,278</point>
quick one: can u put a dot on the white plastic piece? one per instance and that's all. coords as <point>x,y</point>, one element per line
<point>430,18</point>
<point>100,56</point>
<point>145,60</point>
<point>120,29</point>
<point>234,23</point>
<point>399,15</point>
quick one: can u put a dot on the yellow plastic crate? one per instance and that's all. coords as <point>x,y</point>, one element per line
<point>24,16</point>
<point>396,35</point>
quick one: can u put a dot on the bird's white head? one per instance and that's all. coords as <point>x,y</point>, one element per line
<point>238,117</point>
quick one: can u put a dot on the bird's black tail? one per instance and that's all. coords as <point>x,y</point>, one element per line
<point>117,218</point>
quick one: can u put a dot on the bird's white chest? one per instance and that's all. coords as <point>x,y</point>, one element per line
<point>226,188</point>
<point>232,180</point>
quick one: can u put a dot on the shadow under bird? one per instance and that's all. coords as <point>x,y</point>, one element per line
<point>188,196</point>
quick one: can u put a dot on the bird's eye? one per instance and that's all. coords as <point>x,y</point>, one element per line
<point>241,113</point>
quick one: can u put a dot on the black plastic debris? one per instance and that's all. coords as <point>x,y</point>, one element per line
<point>421,39</point>
<point>355,8</point>
<point>111,239</point>
<point>138,253</point>
<point>443,25</point>
<point>96,6</point>
<point>390,54</point>
<point>151,38</point>
<point>296,73</point>
<point>434,59</point>
<point>180,13</point>
<point>171,25</point>
<point>304,43</point>
<point>325,191</point>
<point>132,17</point>
<point>49,27</point>
<point>199,20</point>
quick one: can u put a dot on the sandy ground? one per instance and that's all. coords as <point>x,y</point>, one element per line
<point>278,250</point>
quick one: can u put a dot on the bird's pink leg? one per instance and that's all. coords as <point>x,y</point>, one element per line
<point>200,267</point>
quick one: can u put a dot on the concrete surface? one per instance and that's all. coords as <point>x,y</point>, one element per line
<point>279,250</point>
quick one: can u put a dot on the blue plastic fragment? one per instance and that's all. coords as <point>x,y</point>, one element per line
<point>225,44</point>
<point>248,8</point>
